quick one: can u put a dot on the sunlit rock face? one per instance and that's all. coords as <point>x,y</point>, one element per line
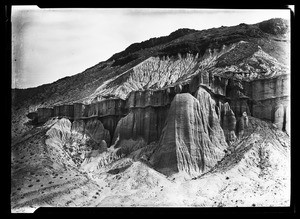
<point>79,139</point>
<point>192,140</point>
<point>211,105</point>
<point>43,114</point>
<point>147,113</point>
<point>271,100</point>
<point>152,73</point>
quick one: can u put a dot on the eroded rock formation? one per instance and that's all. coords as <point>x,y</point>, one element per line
<point>80,139</point>
<point>190,141</point>
<point>43,114</point>
<point>228,123</point>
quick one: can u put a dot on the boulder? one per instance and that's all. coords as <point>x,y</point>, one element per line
<point>192,140</point>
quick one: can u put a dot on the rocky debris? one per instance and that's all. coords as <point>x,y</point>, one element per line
<point>152,42</point>
<point>240,52</point>
<point>186,142</point>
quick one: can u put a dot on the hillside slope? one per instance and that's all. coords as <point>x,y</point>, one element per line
<point>196,118</point>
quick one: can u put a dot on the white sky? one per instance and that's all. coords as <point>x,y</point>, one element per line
<point>49,44</point>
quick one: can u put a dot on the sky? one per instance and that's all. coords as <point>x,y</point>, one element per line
<point>49,44</point>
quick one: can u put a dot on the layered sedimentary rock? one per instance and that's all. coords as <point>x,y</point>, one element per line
<point>192,140</point>
<point>239,106</point>
<point>79,139</point>
<point>215,83</point>
<point>33,116</point>
<point>146,123</point>
<point>64,110</point>
<point>43,114</point>
<point>242,124</point>
<point>228,123</point>
<point>211,119</point>
<point>92,129</point>
<point>109,107</point>
<point>270,88</point>
<point>108,111</point>
<point>153,73</point>
<point>96,131</point>
<point>153,98</point>
<point>147,113</point>
<point>271,99</point>
<point>79,109</point>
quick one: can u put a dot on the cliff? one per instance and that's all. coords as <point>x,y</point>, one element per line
<point>196,118</point>
<point>230,72</point>
<point>192,141</point>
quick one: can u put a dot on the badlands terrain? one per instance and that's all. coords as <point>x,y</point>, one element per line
<point>199,118</point>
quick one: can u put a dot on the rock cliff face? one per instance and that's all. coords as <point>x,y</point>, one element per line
<point>152,73</point>
<point>43,114</point>
<point>79,139</point>
<point>186,104</point>
<point>146,118</point>
<point>228,123</point>
<point>192,141</point>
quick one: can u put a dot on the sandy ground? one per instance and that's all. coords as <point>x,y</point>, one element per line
<point>43,176</point>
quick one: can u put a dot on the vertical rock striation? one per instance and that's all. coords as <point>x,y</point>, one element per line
<point>228,123</point>
<point>192,140</point>
<point>147,113</point>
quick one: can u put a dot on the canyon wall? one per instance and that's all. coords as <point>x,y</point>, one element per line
<point>192,140</point>
<point>143,113</point>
